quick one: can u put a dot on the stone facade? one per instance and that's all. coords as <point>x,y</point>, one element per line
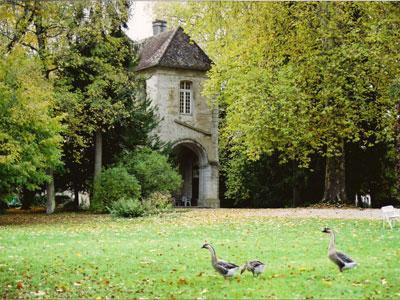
<point>194,135</point>
<point>198,131</point>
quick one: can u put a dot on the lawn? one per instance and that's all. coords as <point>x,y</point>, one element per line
<point>90,256</point>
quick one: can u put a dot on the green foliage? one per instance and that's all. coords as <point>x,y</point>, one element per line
<point>12,200</point>
<point>298,79</point>
<point>158,202</point>
<point>112,185</point>
<point>30,138</point>
<point>98,62</point>
<point>98,69</point>
<point>153,171</point>
<point>261,183</point>
<point>127,208</point>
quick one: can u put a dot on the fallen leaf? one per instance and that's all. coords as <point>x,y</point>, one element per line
<point>182,281</point>
<point>39,293</point>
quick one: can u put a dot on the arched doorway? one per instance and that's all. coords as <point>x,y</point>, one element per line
<point>190,159</point>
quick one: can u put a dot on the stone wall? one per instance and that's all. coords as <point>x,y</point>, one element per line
<point>201,127</point>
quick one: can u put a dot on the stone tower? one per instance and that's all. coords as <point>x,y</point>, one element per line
<point>175,69</point>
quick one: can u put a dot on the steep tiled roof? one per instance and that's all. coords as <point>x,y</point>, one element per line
<point>172,49</point>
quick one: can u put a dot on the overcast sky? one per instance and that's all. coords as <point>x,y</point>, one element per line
<point>139,24</point>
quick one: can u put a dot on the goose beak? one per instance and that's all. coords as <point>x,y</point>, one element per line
<point>325,230</point>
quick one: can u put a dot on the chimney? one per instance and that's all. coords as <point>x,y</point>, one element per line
<point>159,26</point>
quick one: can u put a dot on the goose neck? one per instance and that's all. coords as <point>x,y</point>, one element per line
<point>332,242</point>
<point>213,254</point>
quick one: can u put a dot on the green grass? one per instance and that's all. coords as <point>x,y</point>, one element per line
<point>90,256</point>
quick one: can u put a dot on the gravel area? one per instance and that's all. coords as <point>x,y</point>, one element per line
<point>328,213</point>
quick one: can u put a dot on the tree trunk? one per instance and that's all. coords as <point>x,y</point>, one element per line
<point>98,153</point>
<point>51,202</point>
<point>76,197</point>
<point>295,183</point>
<point>27,199</point>
<point>397,130</point>
<point>335,180</point>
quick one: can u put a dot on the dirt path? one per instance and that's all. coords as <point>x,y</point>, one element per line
<point>328,213</point>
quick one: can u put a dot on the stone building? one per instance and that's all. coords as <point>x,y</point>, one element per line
<point>175,69</point>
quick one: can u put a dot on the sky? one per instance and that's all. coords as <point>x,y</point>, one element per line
<point>139,24</point>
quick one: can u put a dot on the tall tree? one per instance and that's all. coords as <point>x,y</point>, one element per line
<point>30,139</point>
<point>99,66</point>
<point>300,78</point>
<point>88,59</point>
<point>40,28</point>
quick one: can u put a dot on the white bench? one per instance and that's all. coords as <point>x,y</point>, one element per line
<point>389,214</point>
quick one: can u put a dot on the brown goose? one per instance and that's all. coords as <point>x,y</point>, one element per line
<point>339,258</point>
<point>254,266</point>
<point>224,268</point>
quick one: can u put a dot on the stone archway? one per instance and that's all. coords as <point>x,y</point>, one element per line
<point>192,162</point>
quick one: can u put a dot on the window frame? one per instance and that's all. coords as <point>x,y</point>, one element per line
<point>185,89</point>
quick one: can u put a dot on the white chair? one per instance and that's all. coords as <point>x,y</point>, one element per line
<point>186,201</point>
<point>389,214</point>
<point>365,200</point>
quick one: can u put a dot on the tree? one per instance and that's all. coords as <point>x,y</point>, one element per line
<point>88,59</point>
<point>99,67</point>
<point>41,29</point>
<point>300,78</point>
<point>30,137</point>
<point>395,93</point>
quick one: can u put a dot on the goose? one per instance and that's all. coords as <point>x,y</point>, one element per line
<point>254,266</point>
<point>339,258</point>
<point>224,268</point>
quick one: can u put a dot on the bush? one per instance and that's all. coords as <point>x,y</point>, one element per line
<point>39,200</point>
<point>127,208</point>
<point>112,185</point>
<point>158,202</point>
<point>12,200</point>
<point>153,171</point>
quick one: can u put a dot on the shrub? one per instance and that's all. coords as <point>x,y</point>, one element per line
<point>112,185</point>
<point>127,208</point>
<point>158,202</point>
<point>153,171</point>
<point>39,200</point>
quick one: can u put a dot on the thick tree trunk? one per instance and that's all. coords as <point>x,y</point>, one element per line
<point>335,180</point>
<point>27,199</point>
<point>51,201</point>
<point>98,154</point>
